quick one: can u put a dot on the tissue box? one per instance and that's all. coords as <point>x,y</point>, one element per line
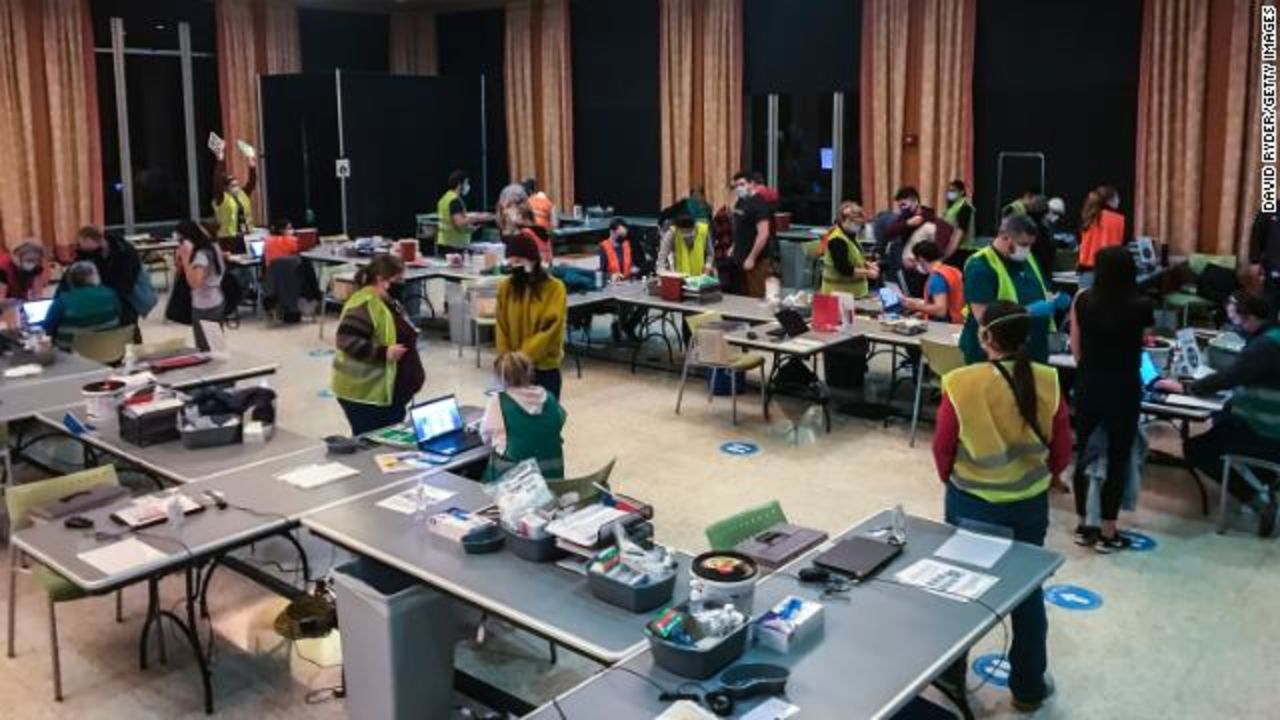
<point>789,624</point>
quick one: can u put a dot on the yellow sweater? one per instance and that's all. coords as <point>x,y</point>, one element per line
<point>533,323</point>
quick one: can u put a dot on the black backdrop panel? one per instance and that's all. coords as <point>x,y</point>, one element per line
<point>404,135</point>
<point>1061,78</point>
<point>615,104</point>
<point>470,44</point>
<point>802,47</point>
<point>300,125</point>
<point>354,41</point>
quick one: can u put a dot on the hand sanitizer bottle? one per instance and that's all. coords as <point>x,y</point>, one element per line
<point>898,532</point>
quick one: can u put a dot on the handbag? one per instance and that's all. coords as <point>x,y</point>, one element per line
<point>143,295</point>
<point>178,309</point>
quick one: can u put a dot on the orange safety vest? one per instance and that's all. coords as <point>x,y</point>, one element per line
<point>1107,231</point>
<point>955,292</point>
<point>611,255</point>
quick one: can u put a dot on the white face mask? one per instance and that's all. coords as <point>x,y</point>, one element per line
<point>465,189</point>
<point>742,191</point>
<point>852,228</point>
<point>1020,253</point>
<point>29,265</point>
<point>1114,202</point>
<point>952,196</point>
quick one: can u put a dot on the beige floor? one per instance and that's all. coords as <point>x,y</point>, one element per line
<point>1187,631</point>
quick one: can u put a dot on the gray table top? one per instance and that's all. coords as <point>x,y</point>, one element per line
<point>877,650</point>
<point>238,366</point>
<point>551,601</point>
<point>57,387</point>
<point>738,307</point>
<point>939,332</point>
<point>810,343</point>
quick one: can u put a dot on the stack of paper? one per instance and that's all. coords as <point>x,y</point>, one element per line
<point>407,502</point>
<point>946,580</point>
<point>121,556</point>
<point>974,549</point>
<point>317,474</point>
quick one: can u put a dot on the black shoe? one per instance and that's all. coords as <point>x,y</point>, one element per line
<point>1267,517</point>
<point>1027,706</point>
<point>1107,545</point>
<point>1086,535</point>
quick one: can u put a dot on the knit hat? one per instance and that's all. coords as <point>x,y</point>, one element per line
<point>523,245</point>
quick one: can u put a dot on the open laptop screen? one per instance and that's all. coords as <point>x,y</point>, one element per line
<point>34,312</point>
<point>256,248</point>
<point>435,418</point>
<point>1148,371</point>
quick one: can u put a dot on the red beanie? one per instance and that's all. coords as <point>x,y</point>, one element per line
<point>523,245</point>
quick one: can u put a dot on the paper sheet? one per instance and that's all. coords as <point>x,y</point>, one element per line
<point>312,476</point>
<point>775,708</point>
<point>974,549</point>
<point>583,527</point>
<point>403,461</point>
<point>407,502</point>
<point>121,556</point>
<point>945,579</point>
<point>21,371</point>
<point>1190,401</point>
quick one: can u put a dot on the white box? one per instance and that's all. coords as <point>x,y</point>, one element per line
<point>781,635</point>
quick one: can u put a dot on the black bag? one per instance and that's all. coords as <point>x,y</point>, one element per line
<point>178,308</point>
<point>232,295</point>
<point>1216,284</point>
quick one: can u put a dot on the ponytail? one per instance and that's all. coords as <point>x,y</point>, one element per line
<point>1007,325</point>
<point>380,267</point>
<point>1024,391</point>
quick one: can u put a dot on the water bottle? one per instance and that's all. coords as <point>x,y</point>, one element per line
<point>130,359</point>
<point>175,513</point>
<point>599,280</point>
<point>898,532</point>
<point>421,501</point>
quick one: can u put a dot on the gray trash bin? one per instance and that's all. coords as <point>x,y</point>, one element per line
<point>397,643</point>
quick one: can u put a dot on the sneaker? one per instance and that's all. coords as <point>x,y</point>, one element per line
<point>1024,706</point>
<point>1086,535</point>
<point>1107,545</point>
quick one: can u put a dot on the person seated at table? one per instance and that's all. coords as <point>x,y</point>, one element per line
<point>23,272</point>
<point>82,304</point>
<point>522,420</point>
<point>1250,425</point>
<point>618,259</point>
<point>1002,438</point>
<point>376,370</point>
<point>542,206</point>
<point>513,205</point>
<point>532,309</point>
<point>280,243</point>
<point>844,269</point>
<point>686,247</point>
<point>943,299</point>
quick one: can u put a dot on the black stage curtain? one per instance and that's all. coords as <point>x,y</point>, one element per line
<point>300,128</point>
<point>470,45</point>
<point>354,41</point>
<point>803,47</point>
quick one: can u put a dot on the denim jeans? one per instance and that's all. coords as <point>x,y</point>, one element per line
<point>1029,520</point>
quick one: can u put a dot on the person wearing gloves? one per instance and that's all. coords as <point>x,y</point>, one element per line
<point>532,307</point>
<point>23,272</point>
<point>522,421</point>
<point>686,247</point>
<point>1006,271</point>
<point>844,269</point>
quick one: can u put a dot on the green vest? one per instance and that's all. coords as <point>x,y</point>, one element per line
<point>371,383</point>
<point>530,436</point>
<point>450,235</point>
<point>953,212</point>
<point>691,260</point>
<point>832,280</point>
<point>1017,207</point>
<point>234,214</point>
<point>1005,291</point>
<point>1258,406</point>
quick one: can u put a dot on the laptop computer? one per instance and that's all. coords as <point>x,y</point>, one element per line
<point>35,312</point>
<point>438,427</point>
<point>256,247</point>
<point>890,300</point>
<point>792,324</point>
<point>857,557</point>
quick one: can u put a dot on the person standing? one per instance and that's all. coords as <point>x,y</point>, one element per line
<point>686,247</point>
<point>512,208</point>
<point>1101,226</point>
<point>532,308</point>
<point>960,216</point>
<point>1264,255</point>
<point>543,208</point>
<point>1250,426</point>
<point>914,223</point>
<point>1108,321</point>
<point>1002,438</point>
<point>1006,271</point>
<point>23,272</point>
<point>232,203</point>
<point>456,225</point>
<point>844,269</point>
<point>118,266</point>
<point>1019,204</point>
<point>200,261</point>
<point>754,247</point>
<point>943,299</point>
<point>376,369</point>
<point>522,421</point>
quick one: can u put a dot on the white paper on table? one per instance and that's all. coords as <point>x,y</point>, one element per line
<point>946,580</point>
<point>216,143</point>
<point>20,371</point>
<point>312,476</point>
<point>121,556</point>
<point>407,502</point>
<point>775,708</point>
<point>1191,401</point>
<point>583,526</point>
<point>685,710</point>
<point>973,548</point>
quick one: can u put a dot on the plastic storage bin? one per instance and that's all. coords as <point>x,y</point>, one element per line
<point>543,550</point>
<point>228,434</point>
<point>637,599</point>
<point>397,643</point>
<point>698,664</point>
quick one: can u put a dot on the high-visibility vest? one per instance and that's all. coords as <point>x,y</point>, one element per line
<point>1005,290</point>
<point>1017,207</point>
<point>999,457</point>
<point>955,291</point>
<point>611,257</point>
<point>832,280</point>
<point>371,383</point>
<point>953,213</point>
<point>1258,406</point>
<point>691,260</point>
<point>450,235</point>
<point>234,213</point>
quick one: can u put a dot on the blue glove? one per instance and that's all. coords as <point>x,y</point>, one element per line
<point>1041,308</point>
<point>1063,301</point>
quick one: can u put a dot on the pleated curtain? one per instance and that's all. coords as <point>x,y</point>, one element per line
<point>884,90</point>
<point>1238,199</point>
<point>238,85</point>
<point>539,96</point>
<point>279,37</point>
<point>413,43</point>
<point>948,28</point>
<point>700,84</point>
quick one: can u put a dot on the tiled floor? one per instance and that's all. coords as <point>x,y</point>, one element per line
<point>1189,630</point>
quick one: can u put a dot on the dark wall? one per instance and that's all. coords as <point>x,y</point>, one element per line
<point>615,104</point>
<point>802,46</point>
<point>300,135</point>
<point>354,41</point>
<point>1059,78</point>
<point>469,45</point>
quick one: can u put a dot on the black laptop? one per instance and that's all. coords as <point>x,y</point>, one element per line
<point>857,557</point>
<point>438,427</point>
<point>792,324</point>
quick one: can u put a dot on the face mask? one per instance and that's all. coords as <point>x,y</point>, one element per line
<point>742,192</point>
<point>952,195</point>
<point>904,207</point>
<point>1020,253</point>
<point>1113,203</point>
<point>465,189</point>
<point>396,290</point>
<point>852,228</point>
<point>519,272</point>
<point>1051,218</point>
<point>29,265</point>
<point>233,188</point>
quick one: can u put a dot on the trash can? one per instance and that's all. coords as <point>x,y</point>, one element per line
<point>397,643</point>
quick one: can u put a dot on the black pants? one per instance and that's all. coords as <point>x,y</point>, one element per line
<point>1116,411</point>
<point>550,380</point>
<point>1229,436</point>
<point>367,418</point>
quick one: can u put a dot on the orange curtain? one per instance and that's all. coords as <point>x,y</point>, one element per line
<point>884,89</point>
<point>1241,133</point>
<point>48,101</point>
<point>946,97</point>
<point>1171,105</point>
<point>282,51</point>
<point>539,96</point>
<point>700,85</point>
<point>413,42</point>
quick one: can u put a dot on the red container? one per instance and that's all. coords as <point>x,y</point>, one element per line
<point>307,238</point>
<point>409,250</point>
<point>671,287</point>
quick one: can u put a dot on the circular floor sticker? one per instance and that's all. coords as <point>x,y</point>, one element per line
<point>1139,542</point>
<point>322,352</point>
<point>1073,597</point>
<point>325,393</point>
<point>992,668</point>
<point>739,448</point>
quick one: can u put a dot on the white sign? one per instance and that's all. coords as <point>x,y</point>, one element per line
<point>216,144</point>
<point>343,167</point>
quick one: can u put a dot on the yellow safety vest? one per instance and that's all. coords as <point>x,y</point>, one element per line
<point>1000,459</point>
<point>1005,290</point>
<point>371,383</point>
<point>450,235</point>
<point>953,213</point>
<point>691,260</point>
<point>225,213</point>
<point>832,280</point>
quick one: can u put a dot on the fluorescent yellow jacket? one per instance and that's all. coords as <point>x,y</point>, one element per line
<point>450,235</point>
<point>1005,291</point>
<point>691,260</point>
<point>225,213</point>
<point>832,280</point>
<point>533,322</point>
<point>999,458</point>
<point>368,381</point>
